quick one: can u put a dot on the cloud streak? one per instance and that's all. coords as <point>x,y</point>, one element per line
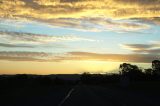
<point>74,56</point>
<point>138,46</point>
<point>23,56</point>
<point>30,38</point>
<point>152,48</point>
<point>74,13</point>
<point>96,24</point>
<point>15,46</point>
<point>139,58</point>
<point>47,9</point>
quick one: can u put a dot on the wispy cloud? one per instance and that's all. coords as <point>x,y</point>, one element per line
<point>80,56</point>
<point>15,46</point>
<point>47,9</point>
<point>116,25</point>
<point>139,58</point>
<point>82,14</point>
<point>151,48</point>
<point>23,56</point>
<point>138,46</point>
<point>30,38</point>
<point>12,23</point>
<point>149,20</point>
<point>96,24</point>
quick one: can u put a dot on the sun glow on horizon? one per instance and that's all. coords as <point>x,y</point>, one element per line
<point>66,67</point>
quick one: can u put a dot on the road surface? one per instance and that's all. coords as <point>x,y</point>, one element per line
<point>84,95</point>
<point>79,95</point>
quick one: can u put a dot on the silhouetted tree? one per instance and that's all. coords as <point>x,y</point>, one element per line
<point>124,68</point>
<point>156,67</point>
<point>133,72</point>
<point>86,77</point>
<point>148,71</point>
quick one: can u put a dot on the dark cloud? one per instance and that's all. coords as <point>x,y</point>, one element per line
<point>138,46</point>
<point>149,51</point>
<point>152,20</point>
<point>15,46</point>
<point>152,48</point>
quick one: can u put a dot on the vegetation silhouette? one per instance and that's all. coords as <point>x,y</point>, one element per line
<point>127,73</point>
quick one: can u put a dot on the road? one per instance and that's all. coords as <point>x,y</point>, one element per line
<point>35,96</point>
<point>80,95</point>
<point>84,95</point>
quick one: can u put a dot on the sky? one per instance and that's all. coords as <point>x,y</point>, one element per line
<point>76,36</point>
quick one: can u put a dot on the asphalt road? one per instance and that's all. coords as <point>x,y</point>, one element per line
<point>84,95</point>
<point>36,96</point>
<point>80,95</point>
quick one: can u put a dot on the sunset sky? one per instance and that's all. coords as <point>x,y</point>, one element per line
<point>73,36</point>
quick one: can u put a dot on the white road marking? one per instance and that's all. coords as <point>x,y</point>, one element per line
<point>66,97</point>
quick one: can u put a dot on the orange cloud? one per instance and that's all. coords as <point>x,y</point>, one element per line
<point>47,9</point>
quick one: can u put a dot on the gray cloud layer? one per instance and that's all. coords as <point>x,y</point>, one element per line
<point>49,57</point>
<point>23,56</point>
<point>15,46</point>
<point>17,37</point>
<point>152,48</point>
<point>30,40</point>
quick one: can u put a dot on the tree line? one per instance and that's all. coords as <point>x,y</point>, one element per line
<point>128,73</point>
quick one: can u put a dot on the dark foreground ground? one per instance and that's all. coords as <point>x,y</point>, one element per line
<point>82,95</point>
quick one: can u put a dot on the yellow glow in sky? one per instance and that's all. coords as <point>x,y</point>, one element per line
<point>66,67</point>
